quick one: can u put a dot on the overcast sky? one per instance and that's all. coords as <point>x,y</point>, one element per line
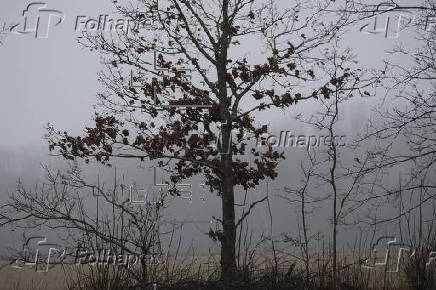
<point>55,80</point>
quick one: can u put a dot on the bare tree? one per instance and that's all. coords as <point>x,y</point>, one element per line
<point>348,182</point>
<point>403,133</point>
<point>306,206</point>
<point>201,86</point>
<point>92,218</point>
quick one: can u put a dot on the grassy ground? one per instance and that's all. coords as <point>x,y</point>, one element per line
<point>202,273</point>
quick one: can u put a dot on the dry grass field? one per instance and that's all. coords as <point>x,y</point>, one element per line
<point>185,270</point>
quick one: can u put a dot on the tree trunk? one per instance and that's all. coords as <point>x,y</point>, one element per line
<point>228,239</point>
<point>335,211</point>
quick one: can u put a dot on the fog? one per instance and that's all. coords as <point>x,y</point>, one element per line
<point>54,81</point>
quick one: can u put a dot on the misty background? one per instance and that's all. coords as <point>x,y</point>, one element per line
<point>54,81</point>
